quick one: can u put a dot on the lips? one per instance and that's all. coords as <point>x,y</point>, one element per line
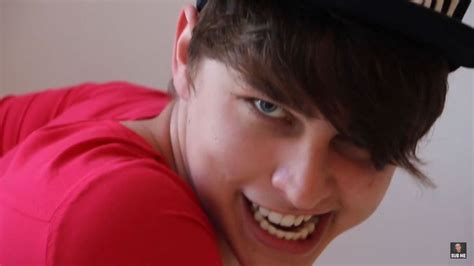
<point>299,239</point>
<point>283,220</point>
<point>288,227</point>
<point>290,233</point>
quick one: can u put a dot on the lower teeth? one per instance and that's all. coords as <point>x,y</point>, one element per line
<point>305,230</point>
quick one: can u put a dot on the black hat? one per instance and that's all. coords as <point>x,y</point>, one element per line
<point>435,23</point>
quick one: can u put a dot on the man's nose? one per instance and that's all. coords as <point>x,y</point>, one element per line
<point>305,179</point>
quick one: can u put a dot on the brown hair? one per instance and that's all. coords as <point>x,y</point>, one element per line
<point>379,88</point>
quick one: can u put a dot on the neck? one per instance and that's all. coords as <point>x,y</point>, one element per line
<point>177,131</point>
<point>169,132</point>
<point>227,256</point>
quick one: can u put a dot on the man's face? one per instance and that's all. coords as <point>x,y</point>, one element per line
<point>458,248</point>
<point>243,154</point>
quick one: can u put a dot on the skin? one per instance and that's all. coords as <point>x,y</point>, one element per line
<point>221,143</point>
<point>458,248</point>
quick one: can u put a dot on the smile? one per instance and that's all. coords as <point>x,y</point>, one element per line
<point>285,226</point>
<point>292,234</point>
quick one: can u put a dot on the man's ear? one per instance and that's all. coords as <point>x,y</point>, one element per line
<point>187,20</point>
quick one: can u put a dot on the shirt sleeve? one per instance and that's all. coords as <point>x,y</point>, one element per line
<point>22,114</point>
<point>134,218</point>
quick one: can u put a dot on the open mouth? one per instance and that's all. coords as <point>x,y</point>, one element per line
<point>295,234</point>
<point>288,227</point>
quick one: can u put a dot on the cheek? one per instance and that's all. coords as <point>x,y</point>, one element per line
<point>224,144</point>
<point>361,192</point>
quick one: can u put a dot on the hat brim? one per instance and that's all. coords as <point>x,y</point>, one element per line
<point>452,38</point>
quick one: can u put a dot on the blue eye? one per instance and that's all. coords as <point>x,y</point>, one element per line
<point>269,109</point>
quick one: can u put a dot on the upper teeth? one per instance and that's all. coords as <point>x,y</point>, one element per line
<point>286,220</point>
<point>267,220</point>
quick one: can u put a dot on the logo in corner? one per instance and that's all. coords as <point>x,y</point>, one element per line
<point>458,250</point>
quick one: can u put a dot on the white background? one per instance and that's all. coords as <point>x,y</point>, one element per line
<point>54,43</point>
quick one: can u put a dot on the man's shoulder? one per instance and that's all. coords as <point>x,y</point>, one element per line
<point>54,161</point>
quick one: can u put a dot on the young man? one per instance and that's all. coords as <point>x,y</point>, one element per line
<point>287,122</point>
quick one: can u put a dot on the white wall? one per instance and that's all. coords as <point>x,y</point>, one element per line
<point>49,43</point>
<point>52,43</point>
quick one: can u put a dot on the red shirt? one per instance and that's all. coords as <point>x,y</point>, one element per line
<point>78,188</point>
